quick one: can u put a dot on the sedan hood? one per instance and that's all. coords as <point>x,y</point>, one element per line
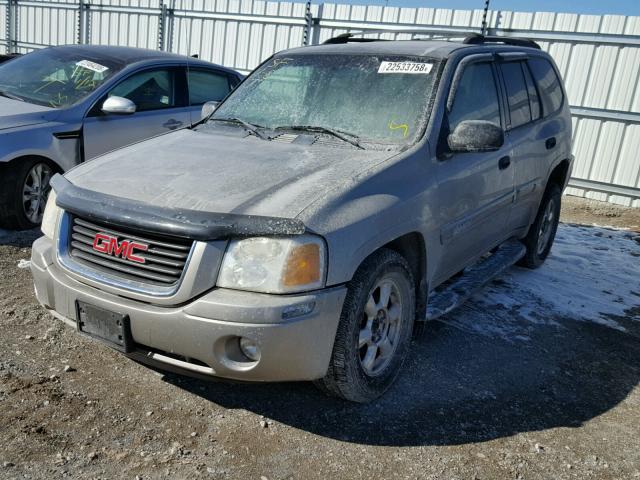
<point>224,173</point>
<point>14,113</point>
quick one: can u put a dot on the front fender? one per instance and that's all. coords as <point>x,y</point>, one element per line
<point>374,209</point>
<point>39,140</point>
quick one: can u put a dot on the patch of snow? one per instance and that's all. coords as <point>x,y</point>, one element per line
<point>592,274</point>
<point>24,263</point>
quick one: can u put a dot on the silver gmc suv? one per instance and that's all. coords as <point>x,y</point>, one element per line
<point>340,194</point>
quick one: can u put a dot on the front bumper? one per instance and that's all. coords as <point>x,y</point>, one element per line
<point>201,337</point>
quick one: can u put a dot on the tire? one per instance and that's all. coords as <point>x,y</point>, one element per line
<point>542,232</point>
<point>29,176</point>
<point>363,373</point>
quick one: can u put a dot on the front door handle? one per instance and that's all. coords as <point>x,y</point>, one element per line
<point>172,124</point>
<point>504,162</point>
<point>550,143</point>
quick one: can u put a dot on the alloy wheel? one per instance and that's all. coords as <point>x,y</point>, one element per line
<point>380,327</point>
<point>546,226</point>
<point>35,191</point>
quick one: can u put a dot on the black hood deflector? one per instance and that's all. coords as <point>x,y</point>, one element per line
<point>191,224</point>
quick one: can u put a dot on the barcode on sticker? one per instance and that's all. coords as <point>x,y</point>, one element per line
<point>405,67</point>
<point>94,67</point>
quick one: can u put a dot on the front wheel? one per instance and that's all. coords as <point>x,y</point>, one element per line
<point>375,329</point>
<point>24,188</point>
<point>542,232</point>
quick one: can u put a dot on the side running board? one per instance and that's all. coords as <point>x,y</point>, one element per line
<point>455,292</point>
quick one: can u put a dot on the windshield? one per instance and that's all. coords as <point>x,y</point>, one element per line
<point>381,99</point>
<point>55,77</point>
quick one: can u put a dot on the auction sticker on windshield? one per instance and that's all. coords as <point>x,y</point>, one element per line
<point>94,67</point>
<point>405,67</point>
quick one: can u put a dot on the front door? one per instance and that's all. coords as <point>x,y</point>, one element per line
<point>476,188</point>
<point>161,107</point>
<point>206,85</point>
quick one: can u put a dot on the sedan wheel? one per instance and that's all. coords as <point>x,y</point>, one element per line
<point>35,191</point>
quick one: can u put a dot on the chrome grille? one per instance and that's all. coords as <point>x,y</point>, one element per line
<point>164,260</point>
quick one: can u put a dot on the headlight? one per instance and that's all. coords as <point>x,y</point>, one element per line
<point>274,265</point>
<point>50,217</point>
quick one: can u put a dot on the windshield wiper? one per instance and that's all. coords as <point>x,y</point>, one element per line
<point>250,127</point>
<point>4,93</point>
<point>348,137</point>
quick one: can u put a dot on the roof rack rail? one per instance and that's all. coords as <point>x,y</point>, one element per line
<point>478,39</point>
<point>351,36</point>
<point>348,37</point>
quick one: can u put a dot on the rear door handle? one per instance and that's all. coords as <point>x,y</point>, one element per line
<point>172,124</point>
<point>504,162</point>
<point>550,143</point>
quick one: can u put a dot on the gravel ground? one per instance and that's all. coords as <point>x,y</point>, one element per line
<point>560,402</point>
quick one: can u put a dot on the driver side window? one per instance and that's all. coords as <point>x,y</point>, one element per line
<point>476,96</point>
<point>149,90</point>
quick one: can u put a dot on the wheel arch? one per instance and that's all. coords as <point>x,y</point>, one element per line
<point>52,163</point>
<point>559,174</point>
<point>412,247</point>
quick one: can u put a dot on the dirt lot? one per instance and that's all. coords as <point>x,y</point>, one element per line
<point>516,384</point>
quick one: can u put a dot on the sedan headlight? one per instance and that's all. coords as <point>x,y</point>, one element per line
<point>274,265</point>
<point>50,216</point>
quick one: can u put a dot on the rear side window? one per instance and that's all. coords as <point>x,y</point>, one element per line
<point>476,96</point>
<point>206,86</point>
<point>517,94</point>
<point>548,85</point>
<point>534,99</point>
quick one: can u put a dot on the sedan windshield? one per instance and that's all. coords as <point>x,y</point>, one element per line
<point>370,98</point>
<point>55,77</point>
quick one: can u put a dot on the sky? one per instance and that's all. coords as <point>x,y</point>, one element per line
<point>595,7</point>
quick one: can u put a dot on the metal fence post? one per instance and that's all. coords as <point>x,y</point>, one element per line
<point>84,23</point>
<point>308,17</point>
<point>162,25</point>
<point>165,27</point>
<point>12,26</point>
<point>483,30</point>
<point>316,26</point>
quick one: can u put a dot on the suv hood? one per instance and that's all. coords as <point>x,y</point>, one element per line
<point>14,113</point>
<point>224,173</point>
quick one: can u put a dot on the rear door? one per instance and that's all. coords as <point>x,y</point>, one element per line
<point>531,130</point>
<point>207,85</point>
<point>160,95</point>
<point>475,188</point>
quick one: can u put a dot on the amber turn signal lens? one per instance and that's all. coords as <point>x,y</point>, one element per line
<point>303,266</point>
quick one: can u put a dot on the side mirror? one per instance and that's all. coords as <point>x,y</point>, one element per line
<point>476,136</point>
<point>208,108</point>
<point>118,106</point>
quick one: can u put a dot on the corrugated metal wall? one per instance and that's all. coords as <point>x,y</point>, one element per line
<point>599,56</point>
<point>4,34</point>
<point>129,22</point>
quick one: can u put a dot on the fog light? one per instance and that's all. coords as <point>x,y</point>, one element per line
<point>249,349</point>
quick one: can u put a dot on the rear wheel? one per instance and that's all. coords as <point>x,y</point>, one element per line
<point>542,232</point>
<point>24,187</point>
<point>375,329</point>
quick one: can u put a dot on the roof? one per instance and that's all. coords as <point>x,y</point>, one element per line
<point>418,48</point>
<point>131,55</point>
<point>438,49</point>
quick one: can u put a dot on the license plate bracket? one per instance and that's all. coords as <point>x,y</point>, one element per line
<point>112,328</point>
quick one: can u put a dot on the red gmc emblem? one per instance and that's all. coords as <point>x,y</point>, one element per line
<point>108,244</point>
